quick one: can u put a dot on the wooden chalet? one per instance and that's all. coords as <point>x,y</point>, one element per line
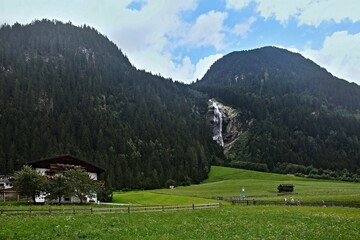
<point>56,165</point>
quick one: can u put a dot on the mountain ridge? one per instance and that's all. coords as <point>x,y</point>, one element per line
<point>69,90</point>
<point>258,62</point>
<point>300,113</point>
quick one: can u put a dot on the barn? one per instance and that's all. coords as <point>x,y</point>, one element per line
<point>286,188</point>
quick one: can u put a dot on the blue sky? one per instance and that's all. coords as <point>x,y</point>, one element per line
<point>180,39</point>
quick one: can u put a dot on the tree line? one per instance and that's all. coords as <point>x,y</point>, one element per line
<point>291,110</point>
<point>69,90</point>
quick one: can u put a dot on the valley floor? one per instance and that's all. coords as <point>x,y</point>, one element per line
<point>228,222</point>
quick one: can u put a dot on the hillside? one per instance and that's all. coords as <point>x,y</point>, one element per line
<point>291,111</point>
<point>228,182</point>
<point>67,89</point>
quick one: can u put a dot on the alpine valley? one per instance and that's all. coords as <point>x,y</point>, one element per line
<point>69,90</point>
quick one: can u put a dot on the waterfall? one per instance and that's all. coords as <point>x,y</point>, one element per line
<point>217,121</point>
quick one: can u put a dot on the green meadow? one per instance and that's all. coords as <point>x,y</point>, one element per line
<point>224,181</point>
<point>227,222</point>
<point>156,198</point>
<point>228,182</point>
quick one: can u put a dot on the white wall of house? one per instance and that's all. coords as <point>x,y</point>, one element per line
<point>5,184</point>
<point>41,198</point>
<point>93,176</point>
<point>42,170</point>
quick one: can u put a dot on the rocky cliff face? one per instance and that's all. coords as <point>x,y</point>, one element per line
<point>225,125</point>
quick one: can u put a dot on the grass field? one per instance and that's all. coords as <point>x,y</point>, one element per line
<point>224,181</point>
<point>153,198</point>
<point>227,222</point>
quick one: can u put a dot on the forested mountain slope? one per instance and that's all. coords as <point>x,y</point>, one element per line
<point>292,110</point>
<point>66,89</point>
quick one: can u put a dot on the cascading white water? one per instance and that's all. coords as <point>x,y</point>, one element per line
<point>217,121</point>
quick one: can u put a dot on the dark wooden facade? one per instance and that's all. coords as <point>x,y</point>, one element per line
<point>66,162</point>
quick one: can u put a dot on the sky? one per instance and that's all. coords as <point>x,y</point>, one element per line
<point>181,39</point>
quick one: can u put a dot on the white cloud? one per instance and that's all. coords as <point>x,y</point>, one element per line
<point>208,30</point>
<point>152,26</point>
<point>151,48</point>
<point>339,55</point>
<point>242,29</point>
<point>204,64</point>
<point>237,4</point>
<point>332,10</point>
<point>185,71</point>
<point>309,12</point>
<point>282,10</point>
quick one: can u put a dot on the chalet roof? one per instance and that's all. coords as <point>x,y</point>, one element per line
<point>68,160</point>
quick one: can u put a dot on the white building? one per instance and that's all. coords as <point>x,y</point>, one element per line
<point>6,182</point>
<point>57,165</point>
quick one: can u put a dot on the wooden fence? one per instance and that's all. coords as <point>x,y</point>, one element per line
<point>313,204</point>
<point>9,195</point>
<point>99,210</point>
<point>254,201</point>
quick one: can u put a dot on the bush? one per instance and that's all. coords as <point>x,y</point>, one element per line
<point>105,194</point>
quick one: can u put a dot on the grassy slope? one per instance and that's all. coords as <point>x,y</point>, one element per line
<point>224,181</point>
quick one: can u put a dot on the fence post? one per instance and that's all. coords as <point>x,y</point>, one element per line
<point>163,208</point>
<point>50,211</point>
<point>193,206</point>
<point>73,210</point>
<point>128,209</point>
<point>91,210</point>
<point>30,211</point>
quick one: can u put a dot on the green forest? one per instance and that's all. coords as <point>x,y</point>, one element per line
<point>291,110</point>
<point>69,90</point>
